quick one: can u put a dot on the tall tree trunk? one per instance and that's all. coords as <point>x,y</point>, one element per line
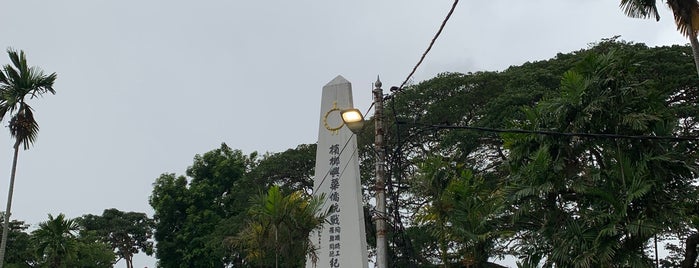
<point>695,49</point>
<point>6,224</point>
<point>690,252</point>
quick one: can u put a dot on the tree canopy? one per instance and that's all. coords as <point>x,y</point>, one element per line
<point>467,133</point>
<point>127,233</point>
<point>587,159</point>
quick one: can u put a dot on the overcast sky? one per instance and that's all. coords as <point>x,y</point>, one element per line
<point>143,86</point>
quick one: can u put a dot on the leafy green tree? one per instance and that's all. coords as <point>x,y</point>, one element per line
<point>127,233</point>
<point>478,221</point>
<point>21,252</point>
<point>686,13</point>
<point>598,202</point>
<point>17,82</point>
<point>418,115</point>
<point>426,123</point>
<point>277,233</point>
<point>92,252</point>
<point>494,192</point>
<point>58,244</point>
<point>170,200</point>
<point>464,214</point>
<point>292,169</point>
<point>434,178</point>
<point>56,241</point>
<point>194,214</point>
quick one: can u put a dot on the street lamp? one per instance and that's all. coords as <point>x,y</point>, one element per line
<point>355,121</point>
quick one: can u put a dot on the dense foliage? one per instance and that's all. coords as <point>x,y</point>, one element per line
<point>554,162</point>
<point>126,233</point>
<point>595,201</point>
<point>277,230</point>
<point>194,216</point>
<point>64,242</point>
<point>587,159</point>
<point>198,215</point>
<point>555,199</point>
<point>685,13</point>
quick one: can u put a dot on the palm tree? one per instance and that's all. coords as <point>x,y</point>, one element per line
<point>598,202</point>
<point>435,175</point>
<point>462,211</point>
<point>686,14</point>
<point>56,242</point>
<point>17,82</point>
<point>280,224</point>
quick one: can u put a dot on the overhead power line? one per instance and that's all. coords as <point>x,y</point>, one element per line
<point>430,46</point>
<point>570,134</point>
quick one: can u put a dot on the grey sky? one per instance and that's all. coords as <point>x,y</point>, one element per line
<point>143,86</point>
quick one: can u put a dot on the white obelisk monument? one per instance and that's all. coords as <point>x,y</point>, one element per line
<point>342,240</point>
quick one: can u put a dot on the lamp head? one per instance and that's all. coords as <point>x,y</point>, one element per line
<point>353,118</point>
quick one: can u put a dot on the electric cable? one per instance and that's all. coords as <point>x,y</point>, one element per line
<point>569,134</point>
<point>434,39</point>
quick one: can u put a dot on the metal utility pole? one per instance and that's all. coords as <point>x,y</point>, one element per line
<point>380,187</point>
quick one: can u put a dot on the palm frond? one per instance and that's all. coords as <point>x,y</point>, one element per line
<point>3,110</point>
<point>640,8</point>
<point>279,224</point>
<point>3,78</point>
<point>12,76</point>
<point>686,13</point>
<point>39,83</point>
<point>19,60</point>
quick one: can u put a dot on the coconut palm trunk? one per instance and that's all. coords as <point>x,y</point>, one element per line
<point>6,221</point>
<point>695,49</point>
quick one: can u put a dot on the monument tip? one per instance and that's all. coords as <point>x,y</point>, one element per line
<point>378,82</point>
<point>338,80</point>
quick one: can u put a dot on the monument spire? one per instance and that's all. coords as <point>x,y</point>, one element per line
<point>341,242</point>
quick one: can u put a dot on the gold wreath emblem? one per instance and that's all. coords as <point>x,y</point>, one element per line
<point>333,129</point>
